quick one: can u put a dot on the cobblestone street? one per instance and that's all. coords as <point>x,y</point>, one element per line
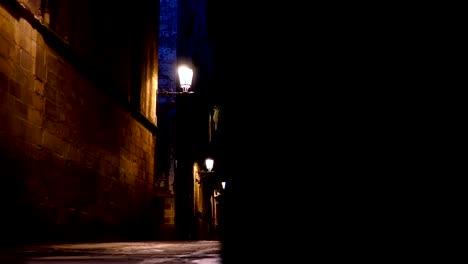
<point>197,252</point>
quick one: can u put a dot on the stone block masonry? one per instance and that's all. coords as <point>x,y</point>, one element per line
<point>74,164</point>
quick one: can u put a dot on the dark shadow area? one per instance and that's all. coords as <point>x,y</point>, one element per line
<point>309,146</point>
<point>310,143</point>
<point>13,223</point>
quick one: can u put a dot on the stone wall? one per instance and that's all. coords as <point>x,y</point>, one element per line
<point>75,164</point>
<point>166,108</point>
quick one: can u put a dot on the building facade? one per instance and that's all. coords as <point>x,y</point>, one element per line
<point>78,120</point>
<point>88,149</point>
<point>166,108</point>
<point>183,118</point>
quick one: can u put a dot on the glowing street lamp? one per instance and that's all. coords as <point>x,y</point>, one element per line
<point>209,164</point>
<point>185,81</point>
<point>185,78</point>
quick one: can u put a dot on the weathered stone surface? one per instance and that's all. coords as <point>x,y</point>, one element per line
<point>79,157</point>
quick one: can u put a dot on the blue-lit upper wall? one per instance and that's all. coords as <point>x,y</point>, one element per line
<point>167,47</point>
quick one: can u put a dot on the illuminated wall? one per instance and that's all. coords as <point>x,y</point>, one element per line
<point>77,121</point>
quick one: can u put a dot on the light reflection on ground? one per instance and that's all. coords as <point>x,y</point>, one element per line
<point>196,252</point>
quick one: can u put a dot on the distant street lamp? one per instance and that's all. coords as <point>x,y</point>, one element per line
<point>209,164</point>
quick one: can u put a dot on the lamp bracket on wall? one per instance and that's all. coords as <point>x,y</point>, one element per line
<point>171,92</point>
<point>205,172</point>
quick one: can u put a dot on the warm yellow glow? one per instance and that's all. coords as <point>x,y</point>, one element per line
<point>185,77</point>
<point>153,93</point>
<point>148,98</point>
<point>209,164</point>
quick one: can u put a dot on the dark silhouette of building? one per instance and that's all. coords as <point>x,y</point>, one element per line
<point>308,145</point>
